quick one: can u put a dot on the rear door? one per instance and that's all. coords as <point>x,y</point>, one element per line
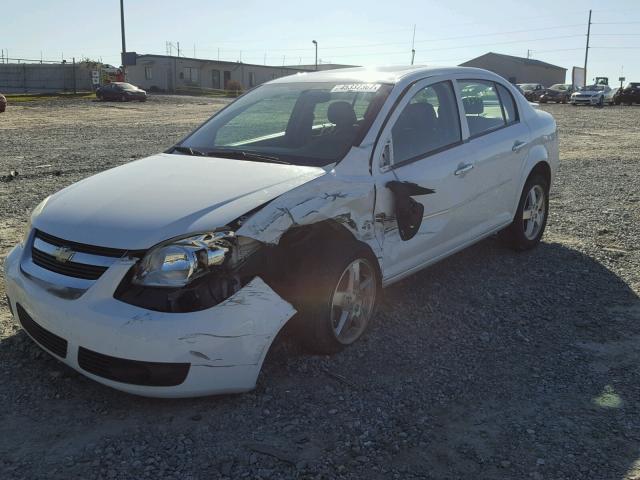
<point>499,144</point>
<point>421,155</point>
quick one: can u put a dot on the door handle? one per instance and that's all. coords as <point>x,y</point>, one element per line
<point>518,145</point>
<point>463,169</point>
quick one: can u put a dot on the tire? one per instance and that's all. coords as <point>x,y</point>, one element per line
<point>331,316</point>
<point>525,233</point>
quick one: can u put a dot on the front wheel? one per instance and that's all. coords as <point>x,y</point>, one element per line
<point>530,219</point>
<point>337,299</point>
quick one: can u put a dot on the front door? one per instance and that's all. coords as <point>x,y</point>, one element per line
<point>421,155</point>
<point>227,78</point>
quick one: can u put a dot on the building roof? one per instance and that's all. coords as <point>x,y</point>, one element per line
<point>321,66</point>
<point>226,62</point>
<point>527,61</point>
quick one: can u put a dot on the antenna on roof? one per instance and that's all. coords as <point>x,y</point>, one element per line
<point>413,45</point>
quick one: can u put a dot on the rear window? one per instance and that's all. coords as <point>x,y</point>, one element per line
<point>482,106</point>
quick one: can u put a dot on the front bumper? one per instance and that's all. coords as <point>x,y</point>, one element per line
<point>224,346</point>
<point>585,100</point>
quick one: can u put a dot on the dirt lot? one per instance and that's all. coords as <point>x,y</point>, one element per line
<point>489,365</point>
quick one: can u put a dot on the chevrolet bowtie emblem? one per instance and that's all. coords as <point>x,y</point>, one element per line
<point>63,254</point>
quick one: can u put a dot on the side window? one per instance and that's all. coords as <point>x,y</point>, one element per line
<point>509,104</point>
<point>429,123</point>
<point>481,106</point>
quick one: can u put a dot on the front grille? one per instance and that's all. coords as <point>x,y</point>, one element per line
<point>71,269</point>
<point>89,261</point>
<point>80,247</point>
<point>44,337</point>
<point>135,372</point>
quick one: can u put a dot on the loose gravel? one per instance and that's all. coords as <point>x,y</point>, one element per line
<point>491,364</point>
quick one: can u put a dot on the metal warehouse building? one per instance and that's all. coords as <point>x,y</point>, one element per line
<point>170,73</point>
<point>518,69</point>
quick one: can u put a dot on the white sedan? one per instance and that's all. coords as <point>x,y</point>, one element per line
<point>171,276</point>
<point>593,95</point>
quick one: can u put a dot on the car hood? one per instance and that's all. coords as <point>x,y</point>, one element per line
<point>589,92</point>
<point>142,203</point>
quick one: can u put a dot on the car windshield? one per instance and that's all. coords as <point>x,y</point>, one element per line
<point>305,123</point>
<point>592,88</point>
<point>559,86</point>
<point>528,86</point>
<point>125,86</point>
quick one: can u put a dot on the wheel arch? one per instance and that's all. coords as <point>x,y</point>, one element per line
<point>300,239</point>
<point>543,168</point>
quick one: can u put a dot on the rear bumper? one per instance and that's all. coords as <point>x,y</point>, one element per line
<point>143,352</point>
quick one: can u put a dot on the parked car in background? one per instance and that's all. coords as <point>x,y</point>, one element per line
<point>3,103</point>
<point>121,91</point>
<point>532,91</point>
<point>558,93</point>
<point>628,95</point>
<point>591,95</point>
<point>170,276</point>
<point>610,96</point>
<point>517,87</point>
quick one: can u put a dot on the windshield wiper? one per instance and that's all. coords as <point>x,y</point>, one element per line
<point>188,151</point>
<point>246,155</point>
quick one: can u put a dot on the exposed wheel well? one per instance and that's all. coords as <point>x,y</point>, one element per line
<point>543,169</point>
<point>315,238</point>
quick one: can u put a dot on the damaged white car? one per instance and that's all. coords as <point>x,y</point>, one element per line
<point>171,276</point>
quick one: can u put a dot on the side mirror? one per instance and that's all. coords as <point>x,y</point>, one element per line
<point>409,212</point>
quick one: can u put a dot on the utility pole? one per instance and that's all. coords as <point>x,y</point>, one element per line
<point>586,51</point>
<point>124,45</point>
<point>413,44</point>
<point>316,44</point>
<point>528,54</point>
<point>178,43</point>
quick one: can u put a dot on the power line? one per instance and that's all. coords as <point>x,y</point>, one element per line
<point>616,23</point>
<point>557,50</point>
<point>432,40</point>
<point>500,33</point>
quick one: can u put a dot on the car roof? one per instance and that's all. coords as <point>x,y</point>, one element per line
<point>389,74</point>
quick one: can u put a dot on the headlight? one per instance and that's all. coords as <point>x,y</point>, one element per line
<point>36,211</point>
<point>178,262</point>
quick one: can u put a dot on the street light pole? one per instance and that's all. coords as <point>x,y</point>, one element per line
<point>124,46</point>
<point>316,44</point>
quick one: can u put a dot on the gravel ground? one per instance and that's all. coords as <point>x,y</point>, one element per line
<point>491,364</point>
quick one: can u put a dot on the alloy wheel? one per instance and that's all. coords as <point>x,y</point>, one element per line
<point>533,214</point>
<point>353,301</point>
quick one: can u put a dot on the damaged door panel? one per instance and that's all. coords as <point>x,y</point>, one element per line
<point>347,202</point>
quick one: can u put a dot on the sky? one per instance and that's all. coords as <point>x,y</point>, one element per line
<point>354,32</point>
